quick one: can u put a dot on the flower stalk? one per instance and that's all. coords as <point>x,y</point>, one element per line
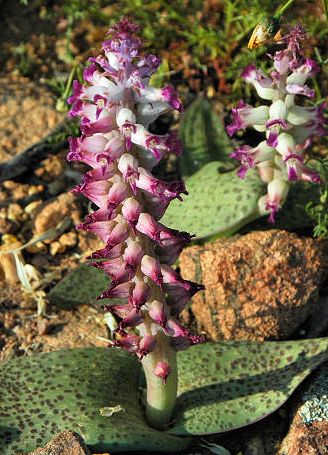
<point>162,386</point>
<point>280,11</point>
<point>116,106</point>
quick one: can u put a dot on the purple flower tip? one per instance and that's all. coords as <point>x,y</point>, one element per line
<point>123,29</point>
<point>162,370</point>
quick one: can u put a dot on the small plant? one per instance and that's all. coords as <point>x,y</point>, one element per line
<point>319,212</point>
<point>289,127</point>
<point>116,107</point>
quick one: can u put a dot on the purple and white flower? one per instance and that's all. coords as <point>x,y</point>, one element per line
<point>116,106</point>
<point>289,127</point>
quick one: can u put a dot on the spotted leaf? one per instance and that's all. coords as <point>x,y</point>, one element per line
<point>82,285</point>
<point>217,203</point>
<point>69,389</point>
<point>203,137</point>
<point>228,385</point>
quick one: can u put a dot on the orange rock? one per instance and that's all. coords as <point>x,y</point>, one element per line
<point>65,443</point>
<point>306,439</point>
<point>259,286</point>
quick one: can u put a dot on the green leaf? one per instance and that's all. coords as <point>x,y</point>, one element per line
<point>228,385</point>
<point>95,392</point>
<point>163,72</point>
<point>217,203</point>
<point>203,137</point>
<point>82,285</point>
<point>75,389</point>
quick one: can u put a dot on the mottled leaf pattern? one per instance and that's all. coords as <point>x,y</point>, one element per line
<point>229,384</point>
<point>203,137</point>
<point>82,285</point>
<point>217,203</point>
<point>48,393</point>
<point>222,386</point>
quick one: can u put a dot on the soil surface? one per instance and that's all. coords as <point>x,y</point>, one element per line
<point>30,109</point>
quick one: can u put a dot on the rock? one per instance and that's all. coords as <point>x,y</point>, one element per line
<point>32,207</point>
<point>65,443</point>
<point>259,286</point>
<point>65,241</point>
<point>7,260</point>
<point>51,213</point>
<point>16,213</point>
<point>21,190</point>
<point>56,248</point>
<point>51,168</point>
<point>88,243</point>
<point>69,239</point>
<point>36,248</point>
<point>308,434</point>
<point>44,327</point>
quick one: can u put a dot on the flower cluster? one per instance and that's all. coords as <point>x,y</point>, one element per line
<point>288,126</point>
<point>116,105</point>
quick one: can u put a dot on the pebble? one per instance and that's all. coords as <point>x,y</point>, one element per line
<point>32,207</point>
<point>51,213</point>
<point>56,248</point>
<point>65,443</point>
<point>16,213</point>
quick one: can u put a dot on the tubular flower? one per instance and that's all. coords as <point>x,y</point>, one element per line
<point>116,106</point>
<point>288,127</point>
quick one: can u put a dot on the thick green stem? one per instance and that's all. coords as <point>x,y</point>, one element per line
<point>161,395</point>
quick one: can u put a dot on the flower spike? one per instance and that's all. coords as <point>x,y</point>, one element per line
<point>116,106</point>
<point>289,127</point>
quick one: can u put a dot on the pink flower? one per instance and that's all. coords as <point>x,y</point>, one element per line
<point>288,126</point>
<point>116,105</point>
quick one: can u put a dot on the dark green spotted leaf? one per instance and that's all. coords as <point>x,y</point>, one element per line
<point>228,385</point>
<point>48,393</point>
<point>95,392</point>
<point>217,203</point>
<point>82,285</point>
<point>203,137</point>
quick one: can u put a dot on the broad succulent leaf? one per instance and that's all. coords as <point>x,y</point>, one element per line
<point>239,383</point>
<point>44,394</point>
<point>217,203</point>
<point>82,285</point>
<point>203,137</point>
<point>228,385</point>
